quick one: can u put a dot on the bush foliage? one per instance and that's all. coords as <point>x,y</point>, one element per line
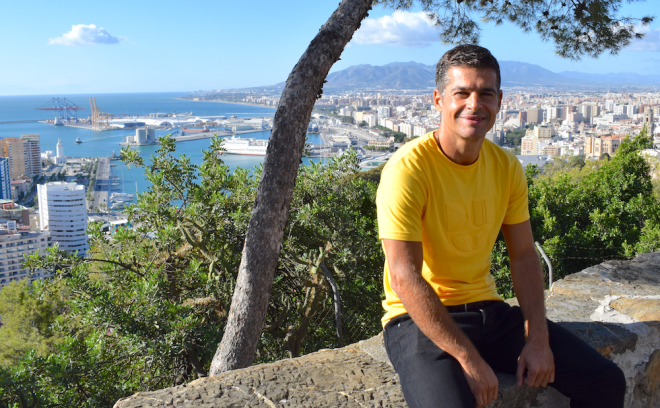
<point>146,309</point>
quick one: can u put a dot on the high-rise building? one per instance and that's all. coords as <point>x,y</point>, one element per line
<point>63,212</point>
<point>33,150</point>
<point>406,128</point>
<point>14,149</point>
<point>16,242</point>
<point>609,104</point>
<point>5,179</point>
<point>371,120</point>
<point>574,117</point>
<point>535,115</point>
<point>384,112</point>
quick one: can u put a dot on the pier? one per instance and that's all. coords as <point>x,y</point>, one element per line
<point>102,185</point>
<point>9,122</point>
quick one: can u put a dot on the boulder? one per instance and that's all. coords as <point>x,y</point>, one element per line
<point>614,307</point>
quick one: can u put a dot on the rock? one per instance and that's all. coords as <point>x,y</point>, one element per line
<point>614,307</point>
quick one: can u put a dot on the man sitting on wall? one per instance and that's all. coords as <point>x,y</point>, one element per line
<point>442,201</point>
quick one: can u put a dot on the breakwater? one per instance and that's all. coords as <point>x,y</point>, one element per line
<point>10,122</point>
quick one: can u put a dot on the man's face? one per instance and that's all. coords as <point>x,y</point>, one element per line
<point>470,102</point>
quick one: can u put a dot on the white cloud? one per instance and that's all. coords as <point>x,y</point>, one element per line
<point>82,34</point>
<point>650,42</point>
<point>401,29</point>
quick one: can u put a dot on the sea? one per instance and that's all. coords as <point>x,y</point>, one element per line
<point>103,143</point>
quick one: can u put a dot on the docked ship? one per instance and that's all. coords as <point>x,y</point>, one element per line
<point>250,147</point>
<point>121,197</point>
<point>198,130</point>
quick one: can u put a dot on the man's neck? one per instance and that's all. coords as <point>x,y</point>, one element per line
<point>460,151</point>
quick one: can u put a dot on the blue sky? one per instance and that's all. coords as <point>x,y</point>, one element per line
<point>147,46</point>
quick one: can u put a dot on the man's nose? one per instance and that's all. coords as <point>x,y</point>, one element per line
<point>474,102</point>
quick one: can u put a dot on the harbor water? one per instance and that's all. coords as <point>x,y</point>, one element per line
<point>103,143</point>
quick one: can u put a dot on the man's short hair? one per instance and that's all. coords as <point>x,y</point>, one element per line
<point>467,55</point>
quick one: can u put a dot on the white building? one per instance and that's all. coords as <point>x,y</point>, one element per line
<point>16,243</point>
<point>63,212</point>
<point>59,158</point>
<point>384,112</point>
<point>371,120</point>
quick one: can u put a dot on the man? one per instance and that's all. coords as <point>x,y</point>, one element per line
<point>442,201</point>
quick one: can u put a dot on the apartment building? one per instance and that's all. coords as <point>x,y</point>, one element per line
<point>17,242</point>
<point>63,212</point>
<point>14,149</point>
<point>5,179</point>
<point>32,146</point>
<point>535,115</point>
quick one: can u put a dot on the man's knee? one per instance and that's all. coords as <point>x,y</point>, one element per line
<point>607,390</point>
<point>614,382</point>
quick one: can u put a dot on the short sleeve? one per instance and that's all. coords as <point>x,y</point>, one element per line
<point>518,209</point>
<point>400,202</point>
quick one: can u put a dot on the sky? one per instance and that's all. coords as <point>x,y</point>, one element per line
<point>75,47</point>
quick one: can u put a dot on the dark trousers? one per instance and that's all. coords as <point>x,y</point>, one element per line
<point>430,377</point>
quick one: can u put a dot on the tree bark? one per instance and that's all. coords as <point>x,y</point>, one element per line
<point>283,157</point>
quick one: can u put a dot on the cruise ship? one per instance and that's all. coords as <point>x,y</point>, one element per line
<point>251,147</point>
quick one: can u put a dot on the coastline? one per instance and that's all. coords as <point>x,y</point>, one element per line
<point>235,103</point>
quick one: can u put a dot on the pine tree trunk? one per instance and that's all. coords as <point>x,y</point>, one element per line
<point>264,237</point>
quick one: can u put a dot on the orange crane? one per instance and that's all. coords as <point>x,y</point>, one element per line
<point>100,119</point>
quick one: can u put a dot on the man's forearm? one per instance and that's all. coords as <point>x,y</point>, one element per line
<point>528,284</point>
<point>432,318</point>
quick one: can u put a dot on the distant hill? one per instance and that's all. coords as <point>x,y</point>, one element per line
<point>627,78</point>
<point>400,75</point>
<point>413,75</point>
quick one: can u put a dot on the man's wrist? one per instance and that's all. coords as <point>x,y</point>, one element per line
<point>467,355</point>
<point>537,333</point>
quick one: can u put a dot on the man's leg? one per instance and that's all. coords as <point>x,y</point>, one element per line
<point>581,373</point>
<point>429,376</point>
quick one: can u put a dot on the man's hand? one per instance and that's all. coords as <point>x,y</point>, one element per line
<point>482,381</point>
<point>537,359</point>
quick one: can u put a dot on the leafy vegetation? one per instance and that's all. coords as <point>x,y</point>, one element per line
<point>399,137</point>
<point>514,136</point>
<point>147,308</point>
<point>584,213</point>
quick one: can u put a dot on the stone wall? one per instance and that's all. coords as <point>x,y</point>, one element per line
<point>614,306</point>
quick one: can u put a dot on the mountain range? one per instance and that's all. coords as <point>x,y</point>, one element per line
<point>414,75</point>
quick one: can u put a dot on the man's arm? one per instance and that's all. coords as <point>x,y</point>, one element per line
<point>405,260</point>
<point>536,357</point>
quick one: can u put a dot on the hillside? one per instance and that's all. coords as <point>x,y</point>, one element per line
<point>414,75</point>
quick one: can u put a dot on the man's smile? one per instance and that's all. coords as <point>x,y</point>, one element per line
<point>472,119</point>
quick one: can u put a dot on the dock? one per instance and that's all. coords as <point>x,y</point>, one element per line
<point>102,185</point>
<point>9,122</point>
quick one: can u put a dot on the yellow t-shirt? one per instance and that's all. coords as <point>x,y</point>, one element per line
<point>455,211</point>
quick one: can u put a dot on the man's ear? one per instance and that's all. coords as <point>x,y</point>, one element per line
<point>437,100</point>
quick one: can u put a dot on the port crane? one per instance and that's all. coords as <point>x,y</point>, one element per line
<point>64,109</point>
<point>100,119</point>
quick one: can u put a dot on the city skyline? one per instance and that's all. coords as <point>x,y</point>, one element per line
<point>160,47</point>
